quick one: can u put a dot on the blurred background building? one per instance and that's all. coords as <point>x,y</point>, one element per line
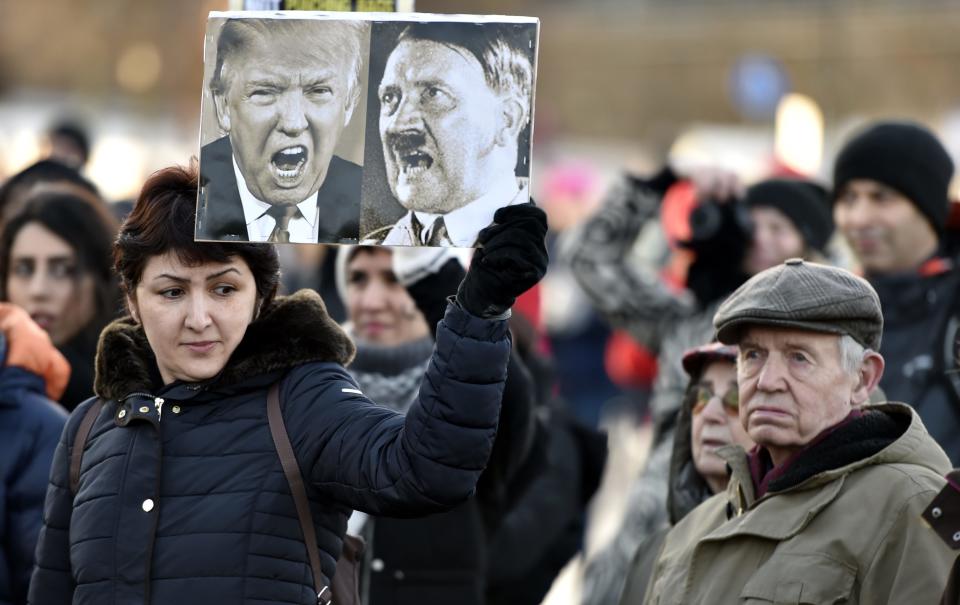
<point>750,85</point>
<point>620,81</point>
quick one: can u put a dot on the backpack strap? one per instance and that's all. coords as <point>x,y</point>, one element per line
<point>80,442</point>
<point>291,469</point>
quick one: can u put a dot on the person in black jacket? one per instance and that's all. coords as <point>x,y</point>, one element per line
<point>544,520</point>
<point>440,558</point>
<point>33,374</point>
<point>890,201</point>
<point>181,497</point>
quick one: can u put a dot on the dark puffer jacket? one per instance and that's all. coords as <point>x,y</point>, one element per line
<point>29,427</point>
<point>182,498</point>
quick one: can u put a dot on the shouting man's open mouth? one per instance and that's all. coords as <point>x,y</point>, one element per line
<point>415,163</point>
<point>410,154</point>
<point>288,164</point>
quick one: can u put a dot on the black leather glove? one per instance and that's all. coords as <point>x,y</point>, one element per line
<point>510,259</point>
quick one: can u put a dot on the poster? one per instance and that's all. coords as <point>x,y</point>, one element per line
<point>367,6</point>
<point>375,128</point>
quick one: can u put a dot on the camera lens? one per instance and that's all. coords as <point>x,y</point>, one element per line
<point>705,222</point>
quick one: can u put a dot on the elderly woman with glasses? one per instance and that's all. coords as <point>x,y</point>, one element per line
<point>708,420</point>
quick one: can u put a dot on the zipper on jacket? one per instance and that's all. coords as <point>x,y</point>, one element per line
<point>156,516</point>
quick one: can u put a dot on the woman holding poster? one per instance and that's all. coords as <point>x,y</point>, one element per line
<point>176,492</point>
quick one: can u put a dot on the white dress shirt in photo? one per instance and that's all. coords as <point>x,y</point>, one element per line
<point>302,226</point>
<point>464,223</point>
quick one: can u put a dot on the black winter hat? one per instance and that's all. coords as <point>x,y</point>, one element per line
<point>902,155</point>
<point>805,203</point>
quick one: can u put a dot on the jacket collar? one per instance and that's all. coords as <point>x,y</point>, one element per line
<point>294,330</point>
<point>913,446</point>
<point>777,518</point>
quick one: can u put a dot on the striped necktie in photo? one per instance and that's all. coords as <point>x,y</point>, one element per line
<point>282,213</point>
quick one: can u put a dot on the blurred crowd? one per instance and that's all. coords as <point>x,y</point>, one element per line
<point>621,332</point>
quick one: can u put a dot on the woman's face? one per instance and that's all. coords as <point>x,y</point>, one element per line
<point>775,239</point>
<point>716,422</point>
<point>379,306</point>
<point>45,279</point>
<point>194,316</point>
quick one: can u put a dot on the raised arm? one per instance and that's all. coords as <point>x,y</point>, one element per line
<point>631,297</point>
<point>431,276</point>
<point>376,461</point>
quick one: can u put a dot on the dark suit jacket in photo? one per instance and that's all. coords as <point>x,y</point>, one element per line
<point>220,211</point>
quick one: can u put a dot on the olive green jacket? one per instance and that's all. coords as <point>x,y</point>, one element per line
<point>853,534</point>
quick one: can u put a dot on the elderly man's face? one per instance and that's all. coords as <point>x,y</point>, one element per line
<point>439,123</point>
<point>287,101</point>
<point>792,386</point>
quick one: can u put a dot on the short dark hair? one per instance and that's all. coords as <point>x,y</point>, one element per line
<point>87,227</point>
<point>163,221</point>
<point>503,51</point>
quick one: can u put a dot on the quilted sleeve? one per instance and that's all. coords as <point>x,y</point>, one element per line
<point>372,459</point>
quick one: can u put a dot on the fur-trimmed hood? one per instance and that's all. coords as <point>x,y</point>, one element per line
<point>294,330</point>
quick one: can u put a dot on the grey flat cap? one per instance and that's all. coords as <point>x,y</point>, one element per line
<point>806,296</point>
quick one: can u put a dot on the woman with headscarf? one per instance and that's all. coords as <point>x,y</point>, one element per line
<point>708,420</point>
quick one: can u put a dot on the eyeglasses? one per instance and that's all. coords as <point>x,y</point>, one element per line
<point>730,400</point>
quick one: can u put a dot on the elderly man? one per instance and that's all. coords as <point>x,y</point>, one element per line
<point>454,100</point>
<point>891,203</point>
<point>826,508</point>
<point>283,89</point>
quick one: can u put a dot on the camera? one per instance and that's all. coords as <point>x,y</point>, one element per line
<point>715,225</point>
<point>720,235</point>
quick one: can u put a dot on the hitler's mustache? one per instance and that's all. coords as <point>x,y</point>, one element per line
<point>403,142</point>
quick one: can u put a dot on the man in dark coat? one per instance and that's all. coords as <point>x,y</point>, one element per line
<point>891,204</point>
<point>283,91</point>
